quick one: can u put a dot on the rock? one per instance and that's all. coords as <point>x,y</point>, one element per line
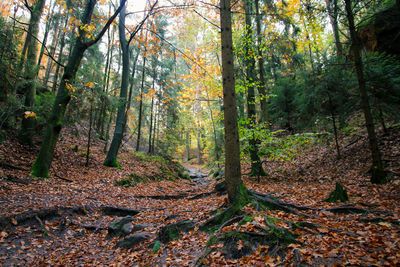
<point>133,240</point>
<point>171,231</point>
<point>127,229</point>
<point>121,226</point>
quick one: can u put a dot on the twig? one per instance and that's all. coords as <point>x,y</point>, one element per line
<point>62,178</point>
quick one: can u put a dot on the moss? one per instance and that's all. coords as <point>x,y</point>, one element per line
<point>156,247</point>
<point>171,231</point>
<point>211,241</point>
<point>126,182</point>
<point>36,171</point>
<point>243,198</point>
<point>113,163</point>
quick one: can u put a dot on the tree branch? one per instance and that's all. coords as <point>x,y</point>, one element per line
<point>105,28</point>
<point>139,26</point>
<point>27,6</point>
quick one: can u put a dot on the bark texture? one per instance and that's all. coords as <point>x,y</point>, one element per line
<point>232,148</point>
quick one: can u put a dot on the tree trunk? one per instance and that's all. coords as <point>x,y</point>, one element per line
<point>232,148</point>
<point>111,159</point>
<point>256,165</point>
<point>89,133</point>
<point>378,175</point>
<point>53,47</point>
<point>141,101</point>
<point>108,130</point>
<point>151,108</point>
<point>103,105</point>
<point>332,9</point>
<point>29,84</point>
<point>187,146</point>
<point>199,161</point>
<point>262,86</point>
<point>107,84</point>
<point>50,19</point>
<point>331,107</point>
<point>131,89</point>
<point>60,57</point>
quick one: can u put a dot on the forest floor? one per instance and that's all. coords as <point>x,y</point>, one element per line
<point>60,221</point>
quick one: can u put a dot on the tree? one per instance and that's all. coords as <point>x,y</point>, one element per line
<point>141,96</point>
<point>233,178</point>
<point>111,159</point>
<point>256,165</point>
<point>30,71</point>
<point>378,174</point>
<point>43,161</point>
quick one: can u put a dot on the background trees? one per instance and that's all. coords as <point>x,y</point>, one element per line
<point>293,66</point>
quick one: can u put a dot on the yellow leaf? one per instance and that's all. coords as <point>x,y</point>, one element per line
<point>29,114</point>
<point>89,84</point>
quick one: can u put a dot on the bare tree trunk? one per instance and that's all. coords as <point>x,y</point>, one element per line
<point>151,108</point>
<point>378,174</point>
<point>232,149</point>
<point>331,107</point>
<point>187,146</point>
<point>111,159</point>
<point>89,133</point>
<point>141,100</point>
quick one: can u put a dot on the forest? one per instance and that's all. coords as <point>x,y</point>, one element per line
<point>200,133</point>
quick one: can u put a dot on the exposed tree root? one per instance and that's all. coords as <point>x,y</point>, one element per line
<point>378,220</point>
<point>351,209</point>
<point>273,236</point>
<point>304,225</point>
<point>44,214</point>
<point>10,166</point>
<point>15,179</point>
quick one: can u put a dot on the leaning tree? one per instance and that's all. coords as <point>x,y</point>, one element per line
<point>52,131</point>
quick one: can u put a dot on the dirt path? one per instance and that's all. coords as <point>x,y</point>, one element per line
<point>57,222</point>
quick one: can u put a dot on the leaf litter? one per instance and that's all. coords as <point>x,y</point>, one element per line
<point>324,238</point>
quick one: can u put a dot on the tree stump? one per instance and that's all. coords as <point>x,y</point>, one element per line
<point>338,194</point>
